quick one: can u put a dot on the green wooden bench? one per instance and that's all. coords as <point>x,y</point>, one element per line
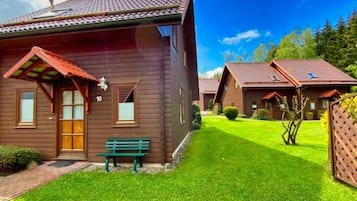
<point>125,147</point>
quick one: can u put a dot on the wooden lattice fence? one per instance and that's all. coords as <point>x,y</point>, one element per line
<point>343,139</point>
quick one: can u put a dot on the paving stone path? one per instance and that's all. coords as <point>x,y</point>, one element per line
<point>16,184</point>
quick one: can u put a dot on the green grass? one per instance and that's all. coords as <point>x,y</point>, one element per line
<point>226,160</point>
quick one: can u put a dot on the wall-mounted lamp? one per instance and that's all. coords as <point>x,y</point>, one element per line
<point>103,84</point>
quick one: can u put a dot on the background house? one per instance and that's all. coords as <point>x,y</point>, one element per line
<point>207,90</point>
<point>249,86</point>
<point>143,56</point>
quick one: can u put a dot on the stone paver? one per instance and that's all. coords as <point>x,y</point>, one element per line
<point>14,185</point>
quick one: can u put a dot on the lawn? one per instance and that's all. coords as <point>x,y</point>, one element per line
<point>226,160</point>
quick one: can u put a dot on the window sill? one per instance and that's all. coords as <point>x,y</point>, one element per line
<point>125,125</point>
<point>25,126</point>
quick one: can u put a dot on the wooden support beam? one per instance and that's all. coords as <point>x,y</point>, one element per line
<point>84,93</point>
<point>48,96</point>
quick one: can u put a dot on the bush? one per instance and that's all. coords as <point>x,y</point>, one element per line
<point>324,119</point>
<point>231,112</point>
<point>210,104</point>
<point>195,109</point>
<point>198,117</point>
<point>14,158</point>
<point>217,109</point>
<point>309,115</point>
<point>195,125</point>
<point>261,114</point>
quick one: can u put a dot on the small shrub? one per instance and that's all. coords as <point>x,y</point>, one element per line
<point>261,114</point>
<point>242,116</point>
<point>195,125</point>
<point>210,104</point>
<point>230,112</point>
<point>324,119</point>
<point>14,158</point>
<point>195,109</point>
<point>320,113</point>
<point>198,117</point>
<point>309,115</point>
<point>217,109</point>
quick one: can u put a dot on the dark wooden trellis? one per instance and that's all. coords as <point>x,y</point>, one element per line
<point>343,139</point>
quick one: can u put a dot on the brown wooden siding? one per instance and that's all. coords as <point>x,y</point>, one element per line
<point>232,96</point>
<point>179,78</point>
<point>122,56</point>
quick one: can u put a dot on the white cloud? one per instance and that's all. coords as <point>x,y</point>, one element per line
<point>246,36</point>
<point>211,73</point>
<point>38,4</point>
<point>268,34</point>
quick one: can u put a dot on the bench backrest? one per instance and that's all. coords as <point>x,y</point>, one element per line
<point>127,144</point>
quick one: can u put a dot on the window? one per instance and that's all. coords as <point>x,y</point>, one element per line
<point>125,111</point>
<point>236,84</point>
<point>274,78</point>
<point>311,75</point>
<point>324,103</point>
<point>312,105</point>
<point>26,111</point>
<point>182,105</point>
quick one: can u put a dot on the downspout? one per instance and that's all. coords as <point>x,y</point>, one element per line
<point>162,102</point>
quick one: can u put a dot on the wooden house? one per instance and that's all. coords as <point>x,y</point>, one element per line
<point>207,90</point>
<point>250,86</point>
<point>84,71</point>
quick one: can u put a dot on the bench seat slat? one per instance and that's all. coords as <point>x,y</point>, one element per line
<point>122,154</point>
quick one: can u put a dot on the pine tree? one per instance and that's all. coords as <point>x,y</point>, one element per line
<point>351,40</point>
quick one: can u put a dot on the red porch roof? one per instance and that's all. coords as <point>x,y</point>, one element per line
<point>330,93</point>
<point>41,65</point>
<point>272,95</point>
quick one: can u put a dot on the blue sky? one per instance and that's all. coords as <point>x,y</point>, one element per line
<point>235,26</point>
<point>239,26</point>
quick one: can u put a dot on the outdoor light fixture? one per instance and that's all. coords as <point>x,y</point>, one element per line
<point>103,84</point>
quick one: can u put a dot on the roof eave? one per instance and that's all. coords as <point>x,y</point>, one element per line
<point>160,19</point>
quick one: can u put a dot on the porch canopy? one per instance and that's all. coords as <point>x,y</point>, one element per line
<point>42,66</point>
<point>271,95</point>
<point>329,94</point>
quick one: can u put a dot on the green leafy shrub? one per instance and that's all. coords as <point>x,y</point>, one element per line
<point>320,113</point>
<point>210,104</point>
<point>350,105</point>
<point>309,115</point>
<point>261,114</point>
<point>14,158</point>
<point>230,112</point>
<point>195,109</point>
<point>195,125</point>
<point>324,119</point>
<point>198,117</point>
<point>217,108</point>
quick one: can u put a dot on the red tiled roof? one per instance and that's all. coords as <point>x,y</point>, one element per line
<point>272,95</point>
<point>330,93</point>
<point>325,72</point>
<point>94,12</point>
<point>208,85</point>
<point>257,75</point>
<point>45,66</point>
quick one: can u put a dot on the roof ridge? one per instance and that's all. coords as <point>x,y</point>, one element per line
<point>105,13</point>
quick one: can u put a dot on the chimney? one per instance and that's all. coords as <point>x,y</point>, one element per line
<point>52,6</point>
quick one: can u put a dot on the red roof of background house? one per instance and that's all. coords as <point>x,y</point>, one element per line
<point>257,75</point>
<point>49,69</point>
<point>208,85</point>
<point>325,72</point>
<point>95,12</point>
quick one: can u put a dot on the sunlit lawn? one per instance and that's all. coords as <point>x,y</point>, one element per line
<point>226,160</point>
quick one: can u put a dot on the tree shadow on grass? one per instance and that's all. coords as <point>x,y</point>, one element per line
<point>249,171</point>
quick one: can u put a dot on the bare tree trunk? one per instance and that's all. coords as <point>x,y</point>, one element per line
<point>295,116</point>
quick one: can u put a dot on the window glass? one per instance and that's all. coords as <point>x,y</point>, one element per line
<point>125,104</point>
<point>27,107</point>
